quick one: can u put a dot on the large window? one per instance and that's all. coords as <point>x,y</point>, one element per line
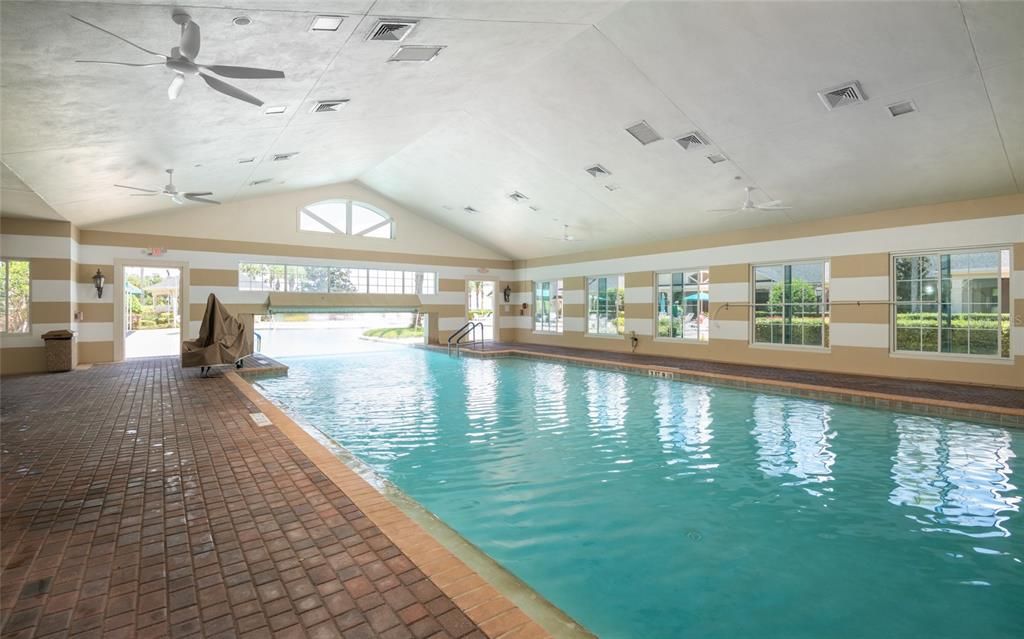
<point>791,304</point>
<point>605,312</point>
<point>683,299</point>
<point>14,296</point>
<point>345,217</point>
<point>953,302</point>
<point>333,279</point>
<point>547,306</point>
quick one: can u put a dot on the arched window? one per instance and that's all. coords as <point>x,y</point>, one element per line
<point>346,217</point>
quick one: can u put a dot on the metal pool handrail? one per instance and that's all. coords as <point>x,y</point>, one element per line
<point>469,328</point>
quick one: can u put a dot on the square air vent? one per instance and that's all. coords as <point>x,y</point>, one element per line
<point>842,95</point>
<point>281,157</point>
<point>902,108</point>
<point>597,171</point>
<point>516,196</point>
<point>643,133</point>
<point>328,106</point>
<point>692,140</point>
<point>415,53</point>
<point>391,30</point>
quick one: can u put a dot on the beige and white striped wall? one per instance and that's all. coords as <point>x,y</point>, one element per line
<point>859,249</point>
<point>63,261</point>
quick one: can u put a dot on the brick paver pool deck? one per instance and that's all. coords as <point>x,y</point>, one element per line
<point>139,500</point>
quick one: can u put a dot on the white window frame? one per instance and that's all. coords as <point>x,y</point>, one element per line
<point>995,358</point>
<point>683,338</point>
<point>620,277</point>
<point>7,288</point>
<point>389,277</point>
<point>826,306</point>
<point>347,231</point>
<point>555,286</point>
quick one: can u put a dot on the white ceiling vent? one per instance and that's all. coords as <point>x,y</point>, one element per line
<point>415,53</point>
<point>597,171</point>
<point>643,132</point>
<point>842,95</point>
<point>328,106</point>
<point>692,140</point>
<point>516,196</point>
<point>281,157</point>
<point>392,30</point>
<point>902,108</point>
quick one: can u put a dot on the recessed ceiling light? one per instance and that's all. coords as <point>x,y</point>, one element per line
<point>246,160</point>
<point>275,110</point>
<point>280,157</point>
<point>415,53</point>
<point>597,171</point>
<point>716,158</point>
<point>612,187</point>
<point>643,132</point>
<point>516,196</point>
<point>470,210</point>
<point>242,21</point>
<point>263,181</point>
<point>535,209</point>
<point>326,23</point>
<point>902,108</point>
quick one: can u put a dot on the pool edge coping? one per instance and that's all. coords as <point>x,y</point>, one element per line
<point>489,606</point>
<point>993,415</point>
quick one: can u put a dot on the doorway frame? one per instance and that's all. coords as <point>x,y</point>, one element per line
<point>183,306</point>
<point>494,305</point>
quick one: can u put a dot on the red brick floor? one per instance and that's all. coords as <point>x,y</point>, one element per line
<point>140,501</point>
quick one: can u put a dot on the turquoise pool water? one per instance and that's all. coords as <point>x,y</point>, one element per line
<point>649,508</point>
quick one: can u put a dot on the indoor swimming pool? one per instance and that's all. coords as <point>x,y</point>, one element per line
<point>652,508</point>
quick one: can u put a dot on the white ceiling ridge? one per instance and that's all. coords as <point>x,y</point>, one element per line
<point>988,97</point>
<point>312,89</point>
<point>750,181</point>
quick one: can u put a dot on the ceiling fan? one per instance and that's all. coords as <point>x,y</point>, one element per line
<point>170,191</point>
<point>565,236</point>
<point>748,205</point>
<point>182,62</point>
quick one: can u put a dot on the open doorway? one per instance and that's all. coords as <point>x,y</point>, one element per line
<point>480,304</point>
<point>152,311</point>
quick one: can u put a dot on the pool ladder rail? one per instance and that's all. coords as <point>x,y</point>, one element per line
<point>466,333</point>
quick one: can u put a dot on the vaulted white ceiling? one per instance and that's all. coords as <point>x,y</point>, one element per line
<point>525,95</point>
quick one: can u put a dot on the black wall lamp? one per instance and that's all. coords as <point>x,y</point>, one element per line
<point>98,280</point>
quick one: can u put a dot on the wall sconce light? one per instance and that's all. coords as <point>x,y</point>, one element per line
<point>98,280</point>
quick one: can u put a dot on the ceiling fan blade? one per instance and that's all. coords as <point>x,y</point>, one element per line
<point>174,90</point>
<point>198,193</point>
<point>227,89</point>
<point>763,207</point>
<point>242,72</point>
<point>143,194</point>
<point>724,210</point>
<point>770,203</point>
<point>189,44</point>
<point>135,188</point>
<point>196,198</point>
<point>124,64</point>
<point>118,37</point>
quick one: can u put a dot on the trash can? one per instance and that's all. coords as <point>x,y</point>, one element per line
<point>60,350</point>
